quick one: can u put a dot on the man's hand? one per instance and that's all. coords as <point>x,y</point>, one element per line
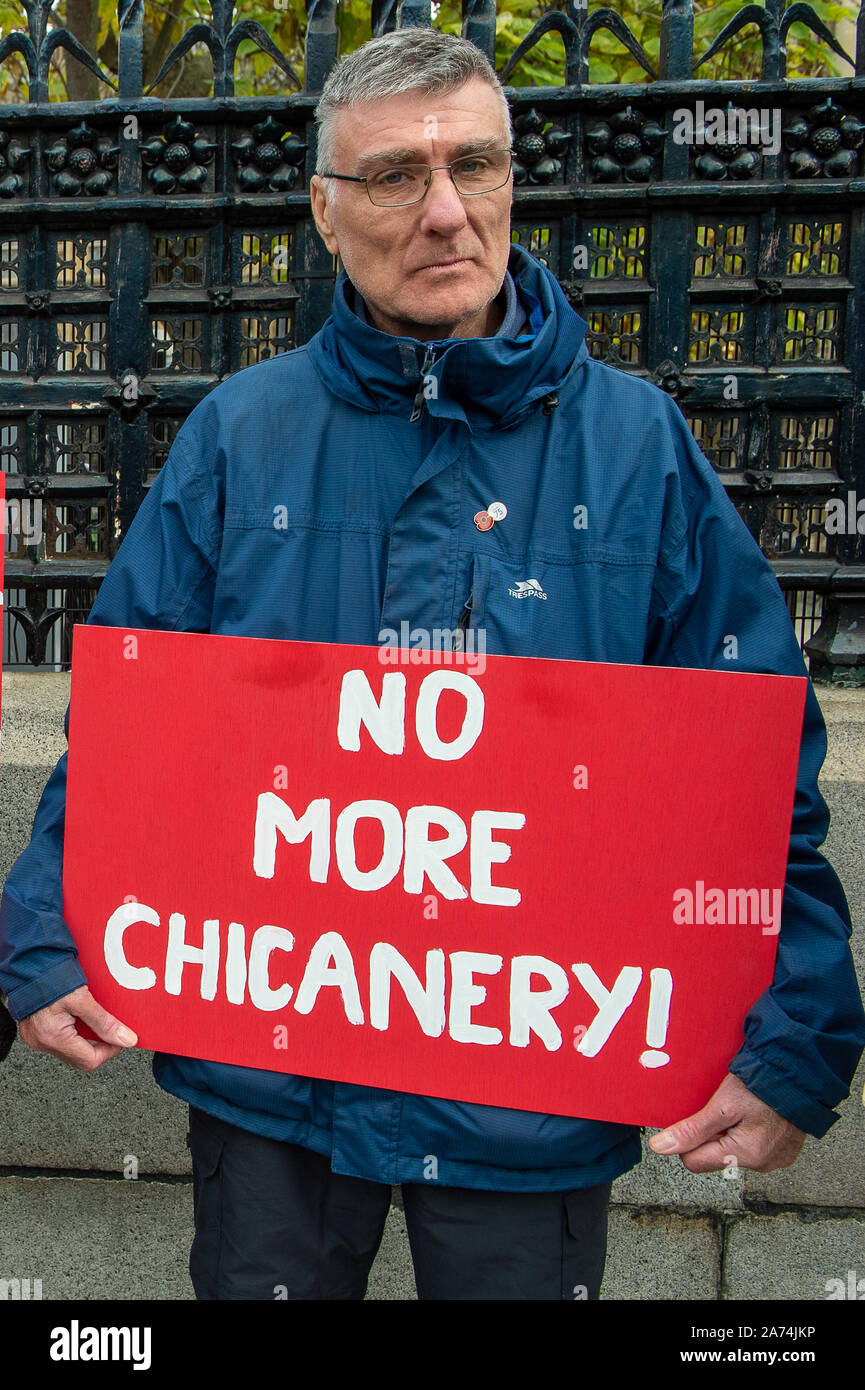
<point>734,1123</point>
<point>53,1030</point>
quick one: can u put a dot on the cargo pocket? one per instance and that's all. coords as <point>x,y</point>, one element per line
<point>584,1241</point>
<point>206,1145</point>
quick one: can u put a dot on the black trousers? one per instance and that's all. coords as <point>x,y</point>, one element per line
<point>272,1221</point>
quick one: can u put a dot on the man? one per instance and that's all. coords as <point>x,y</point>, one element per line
<point>452,376</point>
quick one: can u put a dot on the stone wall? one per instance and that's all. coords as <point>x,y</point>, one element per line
<point>71,1219</point>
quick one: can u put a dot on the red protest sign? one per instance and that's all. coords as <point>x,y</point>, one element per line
<point>519,882</point>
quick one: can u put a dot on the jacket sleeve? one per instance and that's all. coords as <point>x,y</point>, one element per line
<point>162,577</point>
<point>803,1037</point>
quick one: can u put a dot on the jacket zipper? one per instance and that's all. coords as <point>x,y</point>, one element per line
<point>462,625</point>
<point>417,409</point>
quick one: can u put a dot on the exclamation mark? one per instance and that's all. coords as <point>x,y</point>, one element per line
<point>660,992</point>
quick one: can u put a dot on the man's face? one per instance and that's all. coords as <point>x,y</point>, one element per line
<point>429,269</point>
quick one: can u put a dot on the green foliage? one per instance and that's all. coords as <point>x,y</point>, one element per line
<point>285,22</point>
<point>11,18</point>
<point>807,56</point>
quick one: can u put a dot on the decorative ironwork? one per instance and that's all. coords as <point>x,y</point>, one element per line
<point>670,379</point>
<point>723,265</point>
<point>81,163</point>
<point>38,45</point>
<point>577,28</point>
<point>724,251</point>
<point>14,159</point>
<point>270,158</point>
<point>540,146</point>
<point>824,142</point>
<point>223,39</point>
<point>729,157</point>
<point>176,159</point>
<point>774,21</point>
<point>815,247</point>
<point>616,336</point>
<point>624,147</point>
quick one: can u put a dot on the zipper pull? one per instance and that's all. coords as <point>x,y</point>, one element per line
<point>462,626</point>
<point>417,410</point>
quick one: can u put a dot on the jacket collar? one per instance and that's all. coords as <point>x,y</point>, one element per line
<point>481,382</point>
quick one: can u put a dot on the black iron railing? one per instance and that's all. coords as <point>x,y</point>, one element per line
<point>711,233</point>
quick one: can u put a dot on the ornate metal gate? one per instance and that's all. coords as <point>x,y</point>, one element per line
<point>150,248</point>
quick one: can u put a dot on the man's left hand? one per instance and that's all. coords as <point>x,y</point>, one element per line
<point>733,1124</point>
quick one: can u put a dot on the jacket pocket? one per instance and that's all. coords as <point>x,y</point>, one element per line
<point>592,606</point>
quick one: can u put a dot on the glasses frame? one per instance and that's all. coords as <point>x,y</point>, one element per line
<point>431,168</point>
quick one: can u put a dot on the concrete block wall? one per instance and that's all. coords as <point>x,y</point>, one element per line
<point>71,1218</point>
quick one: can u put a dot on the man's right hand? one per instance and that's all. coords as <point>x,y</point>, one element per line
<point>53,1030</point>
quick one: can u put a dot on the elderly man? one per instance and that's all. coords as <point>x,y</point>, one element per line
<point>431,448</point>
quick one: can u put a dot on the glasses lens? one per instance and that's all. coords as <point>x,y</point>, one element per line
<point>479,173</point>
<point>401,183</point>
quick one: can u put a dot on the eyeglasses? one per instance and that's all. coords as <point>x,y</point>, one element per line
<point>401,184</point>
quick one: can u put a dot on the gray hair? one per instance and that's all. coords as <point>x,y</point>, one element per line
<point>406,60</point>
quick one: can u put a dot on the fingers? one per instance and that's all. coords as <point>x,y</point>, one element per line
<point>53,1030</point>
<point>711,1158</point>
<point>745,1143</point>
<point>717,1155</point>
<point>103,1024</point>
<point>65,1042</point>
<point>691,1133</point>
<point>723,1110</point>
<point>752,1144</point>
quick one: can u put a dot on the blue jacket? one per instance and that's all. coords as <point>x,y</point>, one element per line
<point>378,528</point>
